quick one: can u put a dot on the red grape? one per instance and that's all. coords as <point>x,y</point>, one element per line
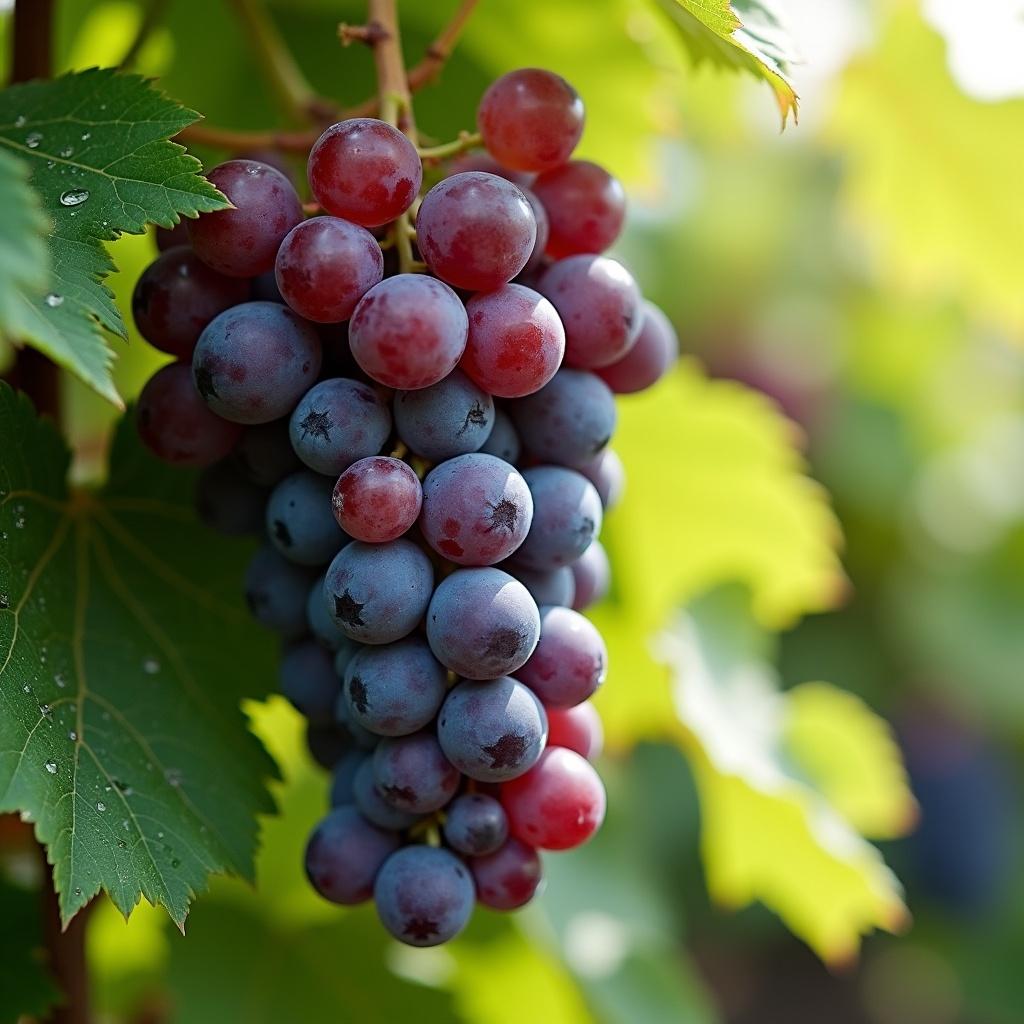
<point>558,804</point>
<point>530,119</point>
<point>377,499</point>
<point>655,350</point>
<point>585,205</point>
<point>476,230</point>
<point>606,472</point>
<point>364,170</point>
<point>483,162</point>
<point>509,877</point>
<point>577,728</point>
<point>540,215</point>
<point>168,238</point>
<point>592,574</point>
<point>569,662</point>
<point>516,341</point>
<point>243,242</point>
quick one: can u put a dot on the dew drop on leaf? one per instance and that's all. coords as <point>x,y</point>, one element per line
<point>67,151</point>
<point>173,777</point>
<point>72,735</point>
<point>33,139</point>
<point>122,844</point>
<point>60,679</point>
<point>86,136</point>
<point>100,806</point>
<point>19,121</point>
<point>151,666</point>
<point>5,601</point>
<point>53,300</point>
<point>74,197</point>
<point>51,767</point>
<point>175,863</point>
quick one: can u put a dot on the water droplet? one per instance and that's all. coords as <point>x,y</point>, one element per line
<point>19,523</point>
<point>175,863</point>
<point>123,787</point>
<point>86,136</point>
<point>26,688</point>
<point>151,666</point>
<point>72,735</point>
<point>33,139</point>
<point>78,892</point>
<point>60,679</point>
<point>159,835</point>
<point>100,806</point>
<point>67,151</point>
<point>51,767</point>
<point>122,844</point>
<point>125,824</point>
<point>5,601</point>
<point>45,710</point>
<point>50,164</point>
<point>173,777</point>
<point>106,789</point>
<point>19,121</point>
<point>74,197</point>
<point>53,300</point>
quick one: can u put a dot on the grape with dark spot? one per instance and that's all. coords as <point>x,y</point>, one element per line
<point>300,523</point>
<point>275,591</point>
<point>413,774</point>
<point>570,661</point>
<point>452,417</point>
<point>507,878</point>
<point>475,824</point>
<point>566,518</point>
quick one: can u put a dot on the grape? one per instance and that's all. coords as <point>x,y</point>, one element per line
<point>508,878</point>
<point>483,162</point>
<point>243,242</point>
<point>325,630</point>
<point>343,777</point>
<point>550,586</point>
<point>373,806</point>
<point>299,520</point>
<point>566,517</point>
<point>476,509</point>
<point>177,296</point>
<point>176,426</point>
<point>578,728</point>
<point>252,363</point>
<point>424,895</point>
<point>606,472</point>
<point>482,623</point>
<point>530,119</point>
<point>364,170</point>
<point>345,650</point>
<point>600,306</point>
<point>592,575</point>
<point>378,593</point>
<point>570,661</point>
<point>309,682</point>
<point>516,341</point>
<point>338,422</point>
<point>344,856</point>
<point>265,455</point>
<point>503,441</point>
<point>412,774</point>
<point>325,266</point>
<point>585,206</point>
<point>475,230</point>
<point>229,503</point>
<point>475,824</point>
<point>538,259</point>
<point>558,804</point>
<point>377,499</point>
<point>394,689</point>
<point>168,238</point>
<point>492,730</point>
<point>452,417</point>
<point>361,736</point>
<point>409,331</point>
<point>655,350</point>
<point>569,421</point>
<point>328,744</point>
<point>275,591</point>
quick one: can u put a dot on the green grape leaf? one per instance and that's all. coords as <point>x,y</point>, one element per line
<point>24,266</point>
<point>773,795</point>
<point>125,649</point>
<point>96,145</point>
<point>28,987</point>
<point>740,34</point>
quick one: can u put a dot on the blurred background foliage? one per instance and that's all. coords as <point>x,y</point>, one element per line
<point>849,302</point>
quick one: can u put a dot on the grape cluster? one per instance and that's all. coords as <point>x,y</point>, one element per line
<point>425,452</point>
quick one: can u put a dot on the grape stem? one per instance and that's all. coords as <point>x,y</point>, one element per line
<point>466,140</point>
<point>438,52</point>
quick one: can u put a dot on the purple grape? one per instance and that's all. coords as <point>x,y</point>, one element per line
<point>327,744</point>
<point>345,649</point>
<point>309,682</point>
<point>242,242</point>
<point>570,661</point>
<point>275,590</point>
<point>345,854</point>
<point>338,422</point>
<point>452,417</point>
<point>424,895</point>
<point>252,363</point>
<point>343,777</point>
<point>655,350</point>
<point>493,730</point>
<point>566,517</point>
<point>508,878</point>
<point>169,238</point>
<point>606,472</point>
<point>482,623</point>
<point>592,575</point>
<point>475,824</point>
<point>229,503</point>
<point>264,453</point>
<point>363,738</point>
<point>372,804</point>
<point>394,689</point>
<point>570,420</point>
<point>378,593</point>
<point>548,587</point>
<point>412,774</point>
<point>324,629</point>
<point>477,509</point>
<point>504,441</point>
<point>300,523</point>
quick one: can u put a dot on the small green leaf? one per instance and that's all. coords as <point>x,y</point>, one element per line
<point>26,985</point>
<point>743,34</point>
<point>125,649</point>
<point>96,144</point>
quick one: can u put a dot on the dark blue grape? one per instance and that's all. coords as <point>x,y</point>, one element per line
<point>343,778</point>
<point>452,417</point>
<point>492,731</point>
<point>229,503</point>
<point>482,623</point>
<point>548,587</point>
<point>503,441</point>
<point>321,625</point>
<point>424,895</point>
<point>309,682</point>
<point>345,650</point>
<point>394,689</point>
<point>275,590</point>
<point>413,774</point>
<point>567,516</point>
<point>253,362</point>
<point>362,737</point>
<point>344,856</point>
<point>338,422</point>
<point>571,419</point>
<point>475,824</point>
<point>378,593</point>
<point>264,453</point>
<point>300,523</point>
<point>373,806</point>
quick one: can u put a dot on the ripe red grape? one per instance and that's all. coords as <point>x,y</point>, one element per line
<point>483,162</point>
<point>530,119</point>
<point>578,728</point>
<point>592,575</point>
<point>377,499</point>
<point>508,878</point>
<point>570,661</point>
<point>655,350</point>
<point>585,205</point>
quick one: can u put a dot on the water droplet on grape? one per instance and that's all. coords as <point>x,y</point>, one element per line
<point>74,197</point>
<point>33,139</point>
<point>53,300</point>
<point>51,767</point>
